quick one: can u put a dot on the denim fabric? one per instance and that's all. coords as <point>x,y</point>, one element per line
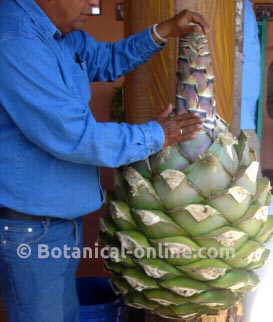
<point>39,290</point>
<point>50,143</point>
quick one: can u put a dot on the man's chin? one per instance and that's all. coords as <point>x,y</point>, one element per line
<point>79,24</point>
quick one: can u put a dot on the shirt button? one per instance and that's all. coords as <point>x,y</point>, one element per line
<point>29,229</point>
<point>6,228</point>
<point>57,35</point>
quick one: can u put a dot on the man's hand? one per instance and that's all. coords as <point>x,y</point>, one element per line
<point>179,128</point>
<point>178,26</point>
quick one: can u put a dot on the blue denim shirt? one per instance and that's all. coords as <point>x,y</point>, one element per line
<point>50,143</point>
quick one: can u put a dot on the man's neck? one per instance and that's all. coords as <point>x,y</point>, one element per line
<point>48,10</point>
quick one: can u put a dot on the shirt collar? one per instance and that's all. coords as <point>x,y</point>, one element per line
<point>40,18</point>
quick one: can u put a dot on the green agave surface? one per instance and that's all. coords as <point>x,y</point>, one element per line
<point>192,220</point>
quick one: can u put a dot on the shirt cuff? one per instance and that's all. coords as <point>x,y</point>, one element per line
<point>154,136</point>
<point>155,43</point>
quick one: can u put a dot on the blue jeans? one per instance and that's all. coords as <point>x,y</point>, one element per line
<point>38,284</point>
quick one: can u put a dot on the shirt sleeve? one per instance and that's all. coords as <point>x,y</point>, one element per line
<point>109,61</point>
<point>37,100</point>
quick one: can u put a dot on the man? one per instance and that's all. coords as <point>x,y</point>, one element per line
<point>51,145</point>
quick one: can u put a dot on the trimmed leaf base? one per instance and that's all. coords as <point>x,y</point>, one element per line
<point>235,314</point>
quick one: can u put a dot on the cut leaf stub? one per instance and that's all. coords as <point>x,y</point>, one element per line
<point>185,287</point>
<point>206,269</point>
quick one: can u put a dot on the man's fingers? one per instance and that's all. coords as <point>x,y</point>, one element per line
<point>181,135</point>
<point>199,19</point>
<point>188,119</point>
<point>185,123</point>
<point>180,128</point>
<point>191,29</point>
<point>167,112</point>
<point>191,129</point>
<point>186,116</point>
<point>179,139</point>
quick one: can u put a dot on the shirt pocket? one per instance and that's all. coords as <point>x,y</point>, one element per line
<point>81,81</point>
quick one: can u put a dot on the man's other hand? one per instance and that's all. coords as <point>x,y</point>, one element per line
<point>179,128</point>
